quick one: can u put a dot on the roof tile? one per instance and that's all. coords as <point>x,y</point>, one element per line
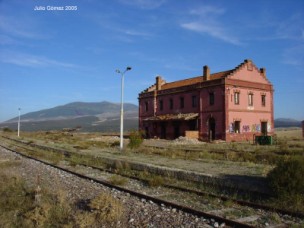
<point>191,81</point>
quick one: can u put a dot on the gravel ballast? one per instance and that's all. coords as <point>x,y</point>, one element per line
<point>137,212</point>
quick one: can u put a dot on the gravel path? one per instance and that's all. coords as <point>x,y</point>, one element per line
<point>138,212</point>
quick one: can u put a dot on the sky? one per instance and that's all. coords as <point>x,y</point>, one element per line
<point>53,57</point>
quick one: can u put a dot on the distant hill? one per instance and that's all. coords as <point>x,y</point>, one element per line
<point>285,122</point>
<point>95,116</point>
<point>75,110</point>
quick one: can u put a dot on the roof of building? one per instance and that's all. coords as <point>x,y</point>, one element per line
<point>191,81</point>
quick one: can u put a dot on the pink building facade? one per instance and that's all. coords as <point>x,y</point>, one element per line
<point>232,105</point>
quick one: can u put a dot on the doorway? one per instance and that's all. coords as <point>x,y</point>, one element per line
<point>193,125</point>
<point>264,128</point>
<point>176,129</point>
<point>147,135</point>
<point>163,131</point>
<point>211,130</point>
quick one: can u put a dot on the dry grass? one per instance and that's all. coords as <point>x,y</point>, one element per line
<point>87,148</point>
<point>106,208</point>
<point>20,207</point>
<point>151,179</point>
<point>118,180</point>
<point>289,142</point>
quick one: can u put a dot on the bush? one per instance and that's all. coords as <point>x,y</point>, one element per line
<point>115,144</point>
<point>136,139</point>
<point>18,208</point>
<point>287,178</point>
<point>118,180</point>
<point>155,181</point>
<point>105,208</point>
<point>8,130</point>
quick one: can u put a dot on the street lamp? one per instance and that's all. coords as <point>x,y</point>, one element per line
<point>19,122</point>
<point>121,104</point>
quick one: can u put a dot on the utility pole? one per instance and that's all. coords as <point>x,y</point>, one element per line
<point>121,104</point>
<point>19,122</point>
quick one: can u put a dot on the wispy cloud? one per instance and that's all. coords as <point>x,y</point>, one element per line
<point>121,31</point>
<point>6,40</point>
<point>128,35</point>
<point>271,27</point>
<point>213,30</point>
<point>207,22</point>
<point>207,10</point>
<point>27,60</point>
<point>294,56</point>
<point>144,4</point>
<point>18,28</point>
<point>135,33</point>
<point>291,28</point>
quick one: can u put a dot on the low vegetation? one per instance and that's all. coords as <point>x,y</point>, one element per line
<point>286,156</point>
<point>287,145</point>
<point>136,138</point>
<point>118,180</point>
<point>6,129</point>
<point>20,206</point>
<point>106,209</point>
<point>286,181</point>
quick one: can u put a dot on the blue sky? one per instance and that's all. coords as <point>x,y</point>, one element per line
<point>50,58</point>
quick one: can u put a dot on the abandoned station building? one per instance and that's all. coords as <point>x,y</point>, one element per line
<point>232,105</point>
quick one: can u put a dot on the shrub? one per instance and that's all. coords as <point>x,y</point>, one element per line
<point>8,130</point>
<point>115,144</point>
<point>287,178</point>
<point>136,139</point>
<point>118,180</point>
<point>106,208</point>
<point>283,144</point>
<point>19,207</point>
<point>117,166</point>
<point>155,181</point>
<point>15,201</point>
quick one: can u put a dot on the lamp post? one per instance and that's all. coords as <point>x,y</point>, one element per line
<point>121,104</point>
<point>19,122</point>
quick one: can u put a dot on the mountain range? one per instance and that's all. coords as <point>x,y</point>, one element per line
<point>286,122</point>
<point>93,117</point>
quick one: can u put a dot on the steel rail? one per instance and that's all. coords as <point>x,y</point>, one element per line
<point>199,193</point>
<point>186,209</point>
<point>68,153</point>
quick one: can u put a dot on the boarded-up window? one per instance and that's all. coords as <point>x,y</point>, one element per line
<point>211,98</point>
<point>171,103</point>
<point>263,97</point>
<point>146,106</point>
<point>194,101</point>
<point>250,99</point>
<point>237,98</point>
<point>181,102</point>
<point>161,105</point>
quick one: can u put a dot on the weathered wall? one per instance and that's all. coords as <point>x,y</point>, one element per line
<point>245,79</point>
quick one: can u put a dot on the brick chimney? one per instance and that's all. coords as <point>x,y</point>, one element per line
<point>159,81</point>
<point>206,72</point>
<point>263,72</point>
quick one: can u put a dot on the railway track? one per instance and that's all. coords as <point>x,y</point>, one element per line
<point>189,210</point>
<point>214,214</point>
